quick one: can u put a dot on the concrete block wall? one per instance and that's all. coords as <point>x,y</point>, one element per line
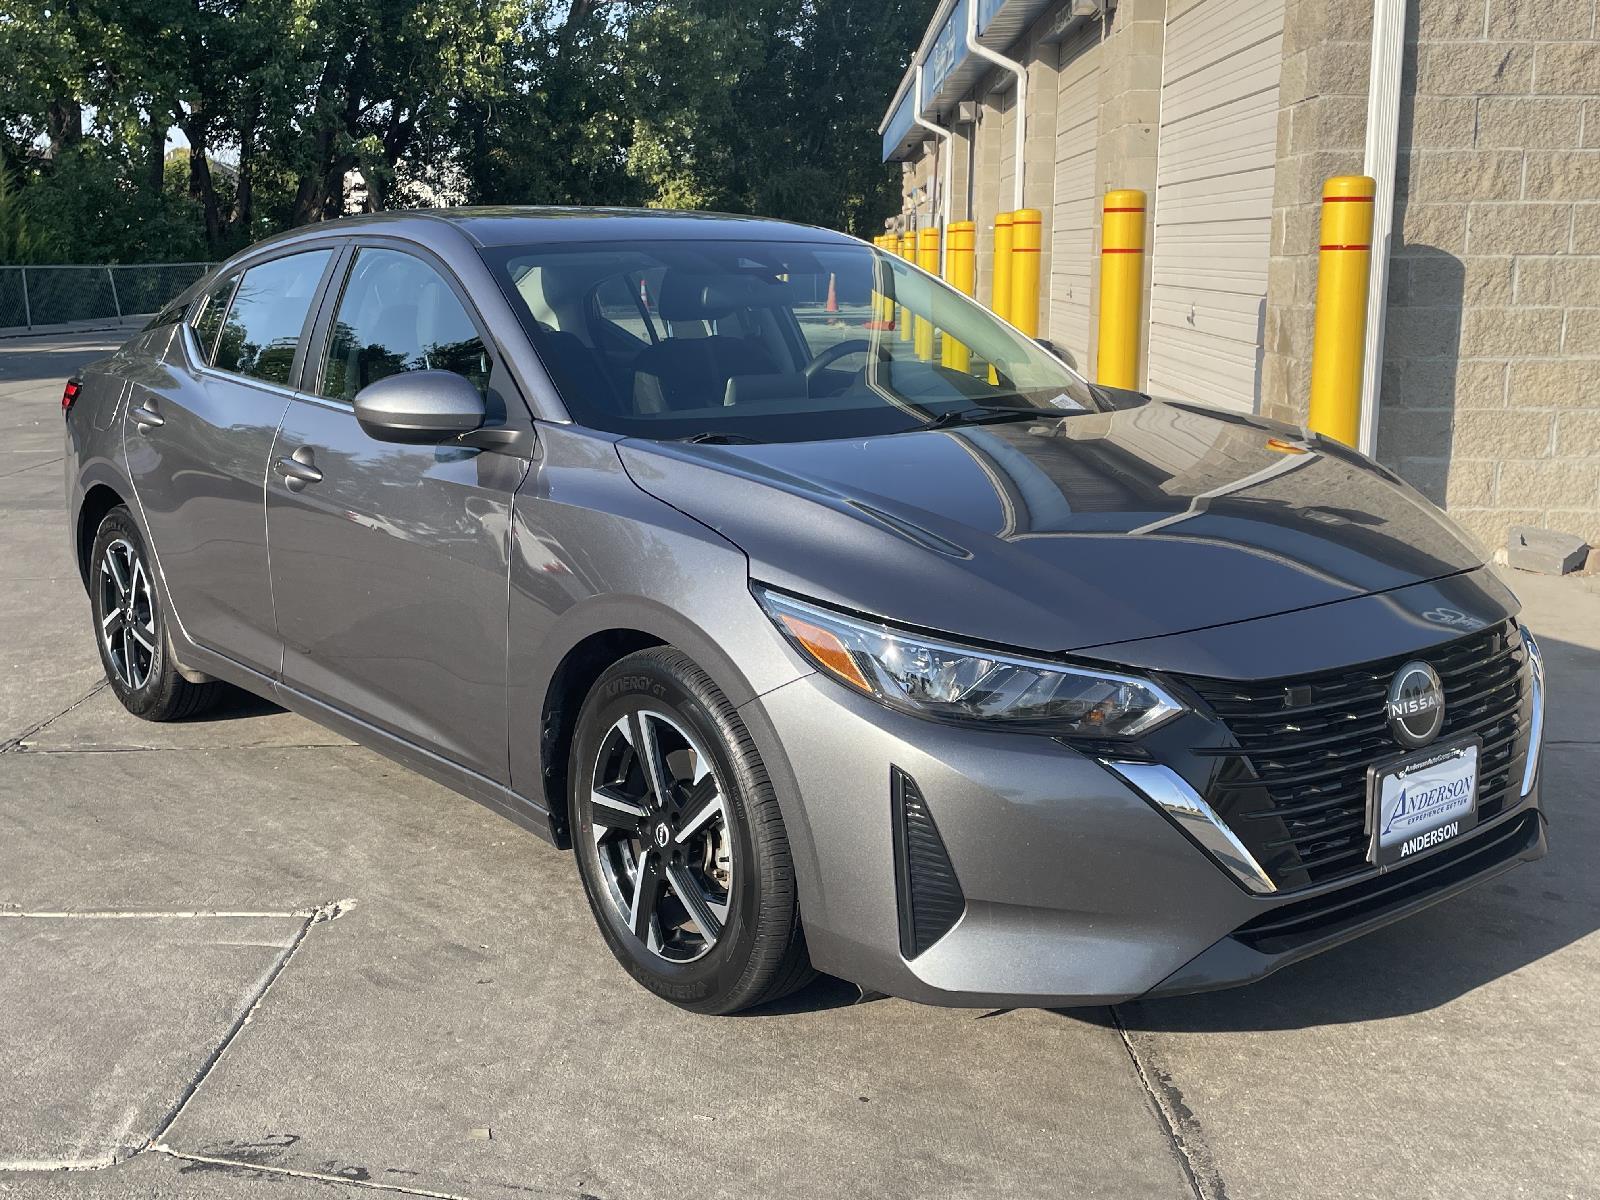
<point>990,135</point>
<point>1322,118</point>
<point>1129,120</point>
<point>1492,364</point>
<point>1491,374</point>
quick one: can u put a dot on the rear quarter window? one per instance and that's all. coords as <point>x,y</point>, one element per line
<point>208,313</point>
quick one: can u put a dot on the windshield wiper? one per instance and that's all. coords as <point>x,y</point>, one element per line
<point>715,437</point>
<point>980,413</point>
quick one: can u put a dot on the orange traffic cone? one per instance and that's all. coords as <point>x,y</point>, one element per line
<point>833,296</point>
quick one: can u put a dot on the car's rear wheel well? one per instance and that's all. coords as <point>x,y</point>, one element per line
<point>570,684</point>
<point>97,502</point>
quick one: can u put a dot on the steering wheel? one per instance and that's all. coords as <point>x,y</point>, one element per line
<point>833,354</point>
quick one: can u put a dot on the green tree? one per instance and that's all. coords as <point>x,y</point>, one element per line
<point>771,106</point>
<point>384,85</point>
<point>763,106</point>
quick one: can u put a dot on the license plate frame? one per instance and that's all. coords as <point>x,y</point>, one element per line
<point>1387,857</point>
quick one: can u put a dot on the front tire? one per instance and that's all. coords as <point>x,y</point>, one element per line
<point>679,841</point>
<point>131,630</point>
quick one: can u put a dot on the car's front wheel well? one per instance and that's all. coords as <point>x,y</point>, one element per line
<point>97,502</point>
<point>570,684</point>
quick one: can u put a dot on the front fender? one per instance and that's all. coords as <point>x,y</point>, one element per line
<point>592,555</point>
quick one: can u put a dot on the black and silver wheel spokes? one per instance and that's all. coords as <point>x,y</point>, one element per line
<point>127,620</point>
<point>660,824</point>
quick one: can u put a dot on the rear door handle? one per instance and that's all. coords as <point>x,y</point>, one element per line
<point>146,416</point>
<point>298,469</point>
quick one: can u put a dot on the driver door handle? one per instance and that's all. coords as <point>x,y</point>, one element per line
<point>298,469</point>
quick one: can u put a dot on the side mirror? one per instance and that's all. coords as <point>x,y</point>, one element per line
<point>1060,352</point>
<point>419,407</point>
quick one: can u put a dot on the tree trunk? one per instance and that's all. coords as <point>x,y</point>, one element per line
<point>64,122</point>
<point>156,147</point>
<point>243,196</point>
<point>201,186</point>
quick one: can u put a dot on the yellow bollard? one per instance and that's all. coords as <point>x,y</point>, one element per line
<point>928,260</point>
<point>1121,288</point>
<point>882,305</point>
<point>1343,270</point>
<point>907,250</point>
<point>961,269</point>
<point>1000,285</point>
<point>1024,311</point>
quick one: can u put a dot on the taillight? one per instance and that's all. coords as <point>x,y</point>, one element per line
<point>70,394</point>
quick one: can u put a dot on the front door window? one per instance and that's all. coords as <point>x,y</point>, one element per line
<point>398,314</point>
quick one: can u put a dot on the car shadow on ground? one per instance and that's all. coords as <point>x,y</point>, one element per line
<point>235,704</point>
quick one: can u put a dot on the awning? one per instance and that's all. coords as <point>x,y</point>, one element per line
<point>949,69</point>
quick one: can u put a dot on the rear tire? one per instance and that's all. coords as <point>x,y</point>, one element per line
<point>694,891</point>
<point>131,630</point>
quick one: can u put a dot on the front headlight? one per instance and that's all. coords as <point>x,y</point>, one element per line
<point>930,678</point>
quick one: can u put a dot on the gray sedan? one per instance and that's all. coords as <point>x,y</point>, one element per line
<point>833,623</point>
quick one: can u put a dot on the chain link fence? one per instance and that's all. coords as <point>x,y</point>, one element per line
<point>31,297</point>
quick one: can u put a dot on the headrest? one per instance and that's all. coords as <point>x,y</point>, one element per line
<point>564,287</point>
<point>689,297</point>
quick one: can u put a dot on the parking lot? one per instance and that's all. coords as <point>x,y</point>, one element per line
<point>242,956</point>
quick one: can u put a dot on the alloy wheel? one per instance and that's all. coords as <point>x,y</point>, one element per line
<point>127,622</point>
<point>660,826</point>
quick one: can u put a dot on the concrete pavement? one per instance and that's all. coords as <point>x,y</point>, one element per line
<point>241,955</point>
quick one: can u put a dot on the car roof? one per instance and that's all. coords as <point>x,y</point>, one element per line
<point>512,225</point>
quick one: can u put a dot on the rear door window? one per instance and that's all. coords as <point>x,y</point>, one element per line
<point>268,315</point>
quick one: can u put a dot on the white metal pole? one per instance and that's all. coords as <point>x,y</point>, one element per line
<point>1021,73</point>
<point>1382,151</point>
<point>940,206</point>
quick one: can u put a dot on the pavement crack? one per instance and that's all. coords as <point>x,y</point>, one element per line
<point>326,912</point>
<point>1177,1121</point>
<point>33,467</point>
<point>11,744</point>
<point>208,1160</point>
<point>313,915</point>
<point>21,747</point>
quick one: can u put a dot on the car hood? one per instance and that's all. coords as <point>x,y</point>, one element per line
<point>1065,533</point>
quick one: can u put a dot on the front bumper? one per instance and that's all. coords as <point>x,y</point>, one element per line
<point>1076,889</point>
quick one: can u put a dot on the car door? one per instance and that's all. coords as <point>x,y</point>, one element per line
<point>390,562</point>
<point>198,435</point>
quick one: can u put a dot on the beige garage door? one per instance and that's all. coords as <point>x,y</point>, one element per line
<point>1213,202</point>
<point>1072,224</point>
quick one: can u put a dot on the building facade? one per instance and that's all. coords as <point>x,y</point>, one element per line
<point>1230,114</point>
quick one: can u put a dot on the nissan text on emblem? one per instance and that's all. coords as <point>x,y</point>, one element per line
<point>1415,705</point>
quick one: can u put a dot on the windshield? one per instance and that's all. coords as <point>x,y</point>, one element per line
<point>770,341</point>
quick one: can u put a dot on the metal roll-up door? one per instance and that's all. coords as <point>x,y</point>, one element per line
<point>1213,203</point>
<point>1072,225</point>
